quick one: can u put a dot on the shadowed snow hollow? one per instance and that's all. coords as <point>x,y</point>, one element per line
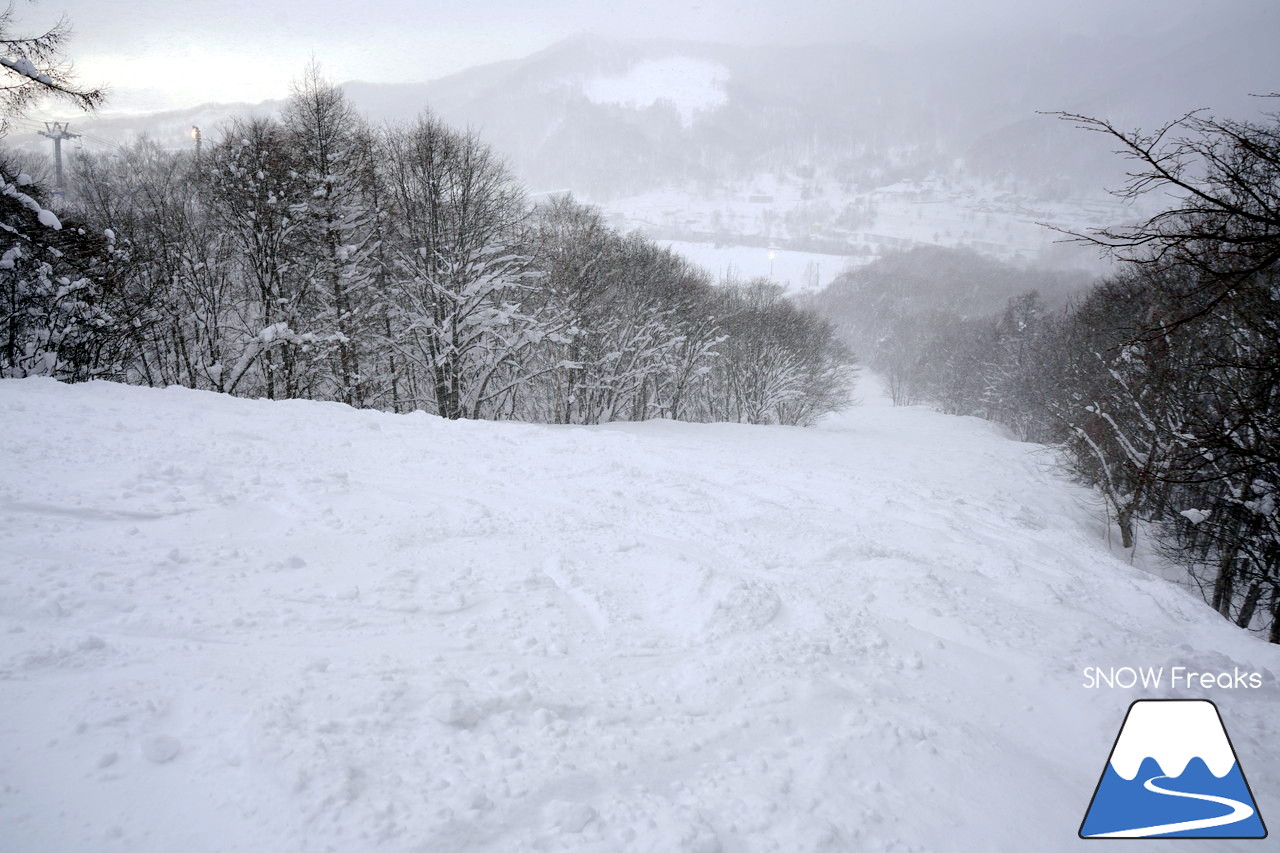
<point>253,625</point>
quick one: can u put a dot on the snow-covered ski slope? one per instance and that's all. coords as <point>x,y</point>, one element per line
<point>292,626</point>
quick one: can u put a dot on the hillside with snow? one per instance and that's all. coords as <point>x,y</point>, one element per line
<point>249,625</point>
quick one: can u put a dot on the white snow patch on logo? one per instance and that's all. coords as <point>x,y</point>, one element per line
<point>1172,733</point>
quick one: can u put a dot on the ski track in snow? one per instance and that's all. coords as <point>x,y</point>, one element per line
<point>291,626</point>
<point>1239,811</point>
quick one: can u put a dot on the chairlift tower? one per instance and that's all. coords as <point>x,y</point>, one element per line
<point>57,131</point>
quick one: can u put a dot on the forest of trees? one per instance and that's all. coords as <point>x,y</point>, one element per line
<point>312,256</point>
<point>1160,384</point>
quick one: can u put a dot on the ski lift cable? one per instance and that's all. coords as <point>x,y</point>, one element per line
<point>98,140</point>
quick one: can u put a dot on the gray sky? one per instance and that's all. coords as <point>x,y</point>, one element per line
<point>159,54</point>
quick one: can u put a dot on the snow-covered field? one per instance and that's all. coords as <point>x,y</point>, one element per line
<point>891,218</point>
<point>796,272</point>
<point>291,626</point>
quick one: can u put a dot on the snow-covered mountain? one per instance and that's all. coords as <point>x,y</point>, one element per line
<point>610,117</point>
<point>840,149</point>
<point>248,625</point>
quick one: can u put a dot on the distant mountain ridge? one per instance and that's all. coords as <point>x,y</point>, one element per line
<point>845,113</point>
<point>837,148</point>
<point>840,113</point>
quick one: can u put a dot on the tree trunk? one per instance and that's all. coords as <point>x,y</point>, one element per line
<point>1250,605</point>
<point>1124,518</point>
<point>1223,584</point>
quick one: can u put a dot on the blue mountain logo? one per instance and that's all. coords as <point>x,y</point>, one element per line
<point>1173,773</point>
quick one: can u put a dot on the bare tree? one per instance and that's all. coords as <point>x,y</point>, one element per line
<point>32,67</point>
<point>337,217</point>
<point>460,267</point>
<point>257,195</point>
<point>1225,224</point>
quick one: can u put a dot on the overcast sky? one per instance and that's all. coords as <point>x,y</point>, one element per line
<point>159,54</point>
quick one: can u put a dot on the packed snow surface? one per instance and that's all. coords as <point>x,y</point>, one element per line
<point>293,626</point>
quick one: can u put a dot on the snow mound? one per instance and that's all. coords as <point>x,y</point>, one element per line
<point>250,625</point>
